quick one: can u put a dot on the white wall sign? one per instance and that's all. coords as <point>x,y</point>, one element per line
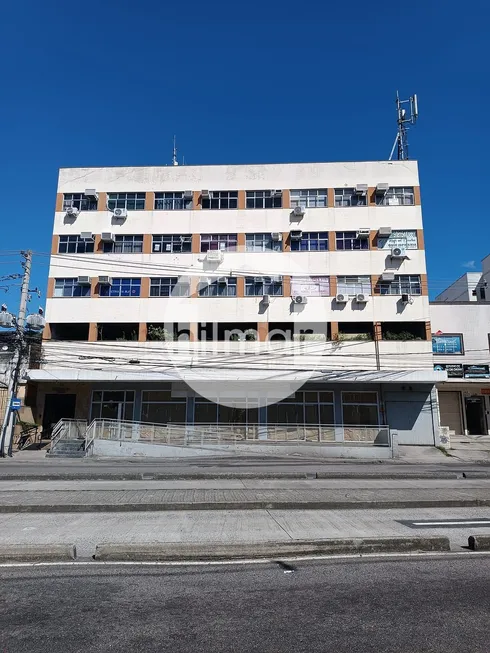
<point>407,239</point>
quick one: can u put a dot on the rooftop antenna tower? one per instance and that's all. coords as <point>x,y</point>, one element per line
<point>404,119</point>
<point>174,154</point>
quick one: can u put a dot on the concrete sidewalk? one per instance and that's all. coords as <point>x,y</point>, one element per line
<point>290,494</point>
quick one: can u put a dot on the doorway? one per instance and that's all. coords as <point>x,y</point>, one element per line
<point>475,416</point>
<point>57,407</point>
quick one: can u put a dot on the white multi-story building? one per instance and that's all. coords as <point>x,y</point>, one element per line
<point>461,344</point>
<point>262,294</point>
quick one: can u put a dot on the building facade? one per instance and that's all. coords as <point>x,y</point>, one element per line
<point>257,294</point>
<point>461,346</point>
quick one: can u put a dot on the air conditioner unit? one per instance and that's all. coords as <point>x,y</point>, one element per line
<point>120,213</point>
<point>107,237</point>
<point>73,211</point>
<point>266,300</point>
<point>388,276</point>
<point>276,235</point>
<point>361,298</point>
<point>362,233</point>
<point>300,299</point>
<point>188,194</point>
<point>205,194</point>
<point>84,281</point>
<point>186,239</point>
<point>87,235</point>
<point>105,281</point>
<point>214,255</point>
<point>384,232</point>
<point>398,252</point>
<point>382,188</point>
<point>405,298</point>
<point>296,235</point>
<point>340,298</point>
<point>361,189</point>
<point>298,211</point>
<point>91,194</point>
<point>223,281</point>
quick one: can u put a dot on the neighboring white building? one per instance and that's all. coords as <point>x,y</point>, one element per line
<point>461,346</point>
<point>470,287</point>
<point>171,286</point>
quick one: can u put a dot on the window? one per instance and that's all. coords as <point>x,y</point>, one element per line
<point>447,344</point>
<point>221,287</point>
<point>75,245</point>
<point>256,286</point>
<point>349,197</point>
<point>403,284</point>
<point>360,408</point>
<point>303,408</point>
<point>172,243</point>
<point>220,199</point>
<point>310,286</point>
<point>169,287</point>
<point>70,288</point>
<point>160,407</point>
<point>108,404</point>
<point>263,243</point>
<point>352,285</point>
<point>398,238</point>
<point>397,196</point>
<point>311,198</point>
<point>125,245</point>
<point>218,241</point>
<point>79,201</point>
<point>129,201</point>
<point>122,288</point>
<point>348,240</point>
<point>311,241</point>
<point>264,199</point>
<point>172,201</point>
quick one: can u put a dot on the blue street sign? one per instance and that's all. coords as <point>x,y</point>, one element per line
<point>15,404</point>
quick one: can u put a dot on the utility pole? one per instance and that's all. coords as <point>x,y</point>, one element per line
<point>10,414</point>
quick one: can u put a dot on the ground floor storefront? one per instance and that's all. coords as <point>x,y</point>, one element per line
<point>465,407</point>
<point>410,409</point>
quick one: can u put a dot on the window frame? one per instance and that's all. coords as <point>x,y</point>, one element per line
<point>85,291</point>
<point>361,286</point>
<point>309,198</point>
<point>80,202</point>
<point>394,192</point>
<point>448,353</point>
<point>262,199</point>
<point>120,282</point>
<point>206,289</point>
<point>176,241</point>
<point>273,287</point>
<point>266,239</point>
<point>359,403</point>
<point>341,193</point>
<point>77,241</point>
<point>136,203</point>
<point>126,402</point>
<point>112,247</point>
<point>352,239</point>
<point>307,238</point>
<point>386,286</point>
<point>175,289</point>
<point>303,403</point>
<point>219,239</point>
<point>220,200</point>
<point>170,200</point>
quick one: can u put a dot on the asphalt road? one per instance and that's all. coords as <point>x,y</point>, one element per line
<point>359,606</point>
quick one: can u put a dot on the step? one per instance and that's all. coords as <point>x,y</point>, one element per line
<point>65,454</point>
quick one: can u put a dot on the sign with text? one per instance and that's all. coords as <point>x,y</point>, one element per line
<point>476,372</point>
<point>454,371</point>
<point>450,344</point>
<point>407,239</point>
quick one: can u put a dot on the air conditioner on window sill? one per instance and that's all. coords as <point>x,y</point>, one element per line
<point>120,214</point>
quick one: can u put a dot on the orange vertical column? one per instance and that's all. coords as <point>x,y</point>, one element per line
<point>262,330</point>
<point>92,332</point>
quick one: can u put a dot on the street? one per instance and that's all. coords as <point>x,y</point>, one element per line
<point>358,606</point>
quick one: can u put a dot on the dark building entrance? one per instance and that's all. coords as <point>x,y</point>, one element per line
<point>57,407</point>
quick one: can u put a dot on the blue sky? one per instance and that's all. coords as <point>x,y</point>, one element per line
<point>110,82</point>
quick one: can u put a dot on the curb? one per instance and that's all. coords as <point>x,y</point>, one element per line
<point>196,552</point>
<point>249,505</point>
<point>38,553</point>
<point>479,542</point>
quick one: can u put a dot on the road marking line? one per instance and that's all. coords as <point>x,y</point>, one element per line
<point>208,563</point>
<point>451,523</point>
